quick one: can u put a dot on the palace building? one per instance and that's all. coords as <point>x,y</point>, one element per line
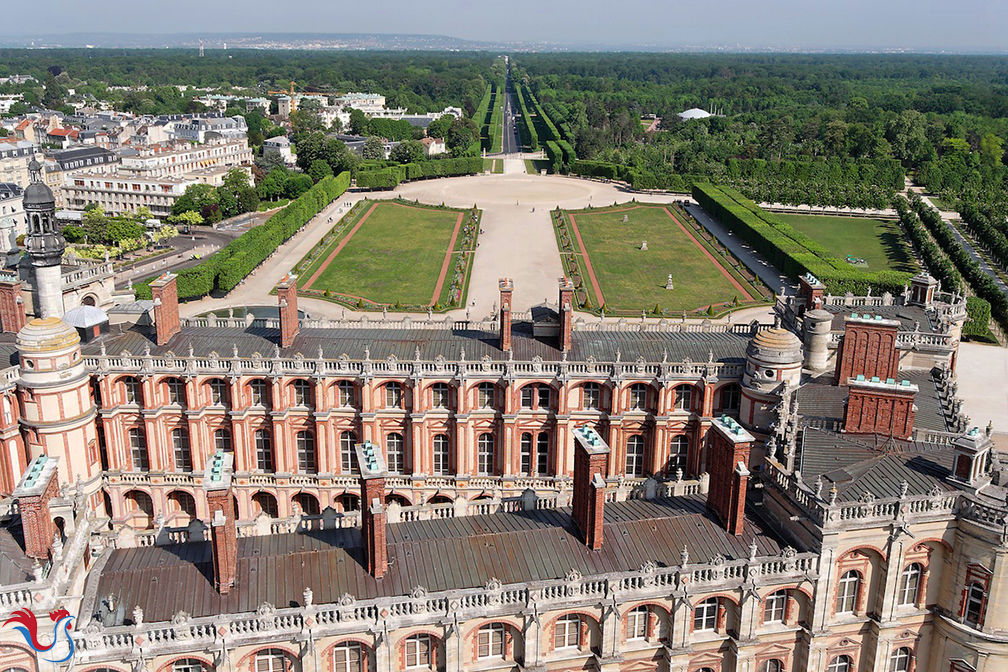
<point>533,491</point>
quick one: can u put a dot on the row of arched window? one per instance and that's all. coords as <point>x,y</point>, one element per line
<point>849,589</point>
<point>301,393</point>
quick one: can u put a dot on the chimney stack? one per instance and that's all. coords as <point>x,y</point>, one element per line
<point>223,533</point>
<point>371,463</point>
<point>506,288</point>
<point>164,291</point>
<point>591,461</point>
<point>38,486</point>
<point>876,406</point>
<point>287,295</point>
<point>868,349</point>
<point>729,472</point>
<point>12,308</point>
<point>566,310</point>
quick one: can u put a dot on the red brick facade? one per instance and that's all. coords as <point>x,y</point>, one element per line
<point>287,297</point>
<point>566,312</point>
<point>224,536</point>
<point>373,525</point>
<point>884,410</point>
<point>506,289</point>
<point>36,521</point>
<point>728,480</point>
<point>12,310</point>
<point>589,493</point>
<point>868,349</point>
<point>164,291</point>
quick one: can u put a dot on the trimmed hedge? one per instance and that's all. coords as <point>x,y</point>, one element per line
<point>389,178</point>
<point>234,262</point>
<point>527,129</point>
<point>979,313</point>
<point>792,252</point>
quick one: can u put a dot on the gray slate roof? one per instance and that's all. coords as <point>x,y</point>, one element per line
<point>402,343</point>
<point>908,316</point>
<point>15,566</point>
<point>454,553</point>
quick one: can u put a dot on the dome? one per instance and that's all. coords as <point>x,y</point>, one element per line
<point>83,317</point>
<point>694,113</point>
<point>776,345</point>
<point>37,195</point>
<point>49,334</point>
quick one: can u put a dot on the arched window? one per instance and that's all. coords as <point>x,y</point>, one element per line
<point>440,395</point>
<point>349,502</point>
<point>180,502</point>
<point>347,394</point>
<point>348,454</point>
<point>909,585</point>
<point>259,391</point>
<point>307,463</point>
<point>418,651</point>
<point>542,454</point>
<point>308,504</point>
<point>847,592</point>
<point>840,664</point>
<point>138,449</point>
<point>132,391</point>
<point>485,395</point>
<point>567,632</point>
<point>188,665</point>
<point>638,397</point>
<point>302,391</point>
<point>270,660</point>
<point>637,623</point>
<point>395,456</point>
<point>731,397</point>
<point>393,395</point>
<point>490,641</point>
<point>705,614</point>
<point>591,399</point>
<point>683,398</point>
<point>220,392</point>
<point>222,441</point>
<point>900,659</point>
<point>485,457</point>
<point>635,456</point>
<point>526,454</point>
<point>140,508</point>
<point>442,455</point>
<point>264,502</point>
<point>771,665</point>
<point>180,449</point>
<point>176,390</point>
<point>774,607</point>
<point>264,451</point>
<point>678,454</point>
<point>976,596</point>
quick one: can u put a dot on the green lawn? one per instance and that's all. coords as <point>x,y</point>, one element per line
<point>394,257</point>
<point>493,165</point>
<point>878,242</point>
<point>632,279</point>
<point>533,166</point>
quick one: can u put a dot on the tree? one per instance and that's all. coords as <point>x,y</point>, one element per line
<point>196,197</point>
<point>374,149</point>
<point>461,134</point>
<point>410,151</point>
<point>123,228</point>
<point>335,153</point>
<point>53,97</point>
<point>439,127</point>
<point>187,218</point>
<point>319,169</point>
<point>358,122</point>
<point>991,149</point>
<point>906,133</point>
<point>73,233</point>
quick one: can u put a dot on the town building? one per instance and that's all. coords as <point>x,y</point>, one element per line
<point>282,146</point>
<point>61,166</point>
<point>15,155</point>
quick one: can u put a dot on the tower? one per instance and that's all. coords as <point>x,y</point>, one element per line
<point>44,243</point>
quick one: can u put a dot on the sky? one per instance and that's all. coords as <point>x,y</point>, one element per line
<point>923,25</point>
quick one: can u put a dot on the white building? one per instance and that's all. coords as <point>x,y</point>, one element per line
<point>119,192</point>
<point>14,158</point>
<point>282,146</point>
<point>201,129</point>
<point>177,159</point>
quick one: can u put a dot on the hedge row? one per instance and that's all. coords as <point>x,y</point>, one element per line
<point>978,312</point>
<point>548,132</point>
<point>983,284</point>
<point>937,262</point>
<point>527,130</point>
<point>480,116</point>
<point>982,222</point>
<point>792,252</point>
<point>234,262</point>
<point>389,178</point>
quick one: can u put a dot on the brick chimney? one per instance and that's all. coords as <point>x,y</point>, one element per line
<point>876,406</point>
<point>372,472</point>
<point>166,316</point>
<point>729,474</point>
<point>289,323</point>
<point>868,349</point>
<point>922,290</point>
<point>12,308</point>
<point>506,289</point>
<point>223,533</point>
<point>591,461</point>
<point>810,289</point>
<point>566,310</point>
<point>38,486</point>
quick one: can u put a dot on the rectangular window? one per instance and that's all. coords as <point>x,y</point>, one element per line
<point>683,398</point>
<point>418,651</point>
<point>490,642</point>
<point>592,396</point>
<point>568,633</point>
<point>393,395</point>
<point>527,395</point>
<point>440,395</point>
<point>637,623</point>
<point>346,394</point>
<point>544,397</point>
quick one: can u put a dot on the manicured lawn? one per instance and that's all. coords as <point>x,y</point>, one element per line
<point>880,243</point>
<point>632,279</point>
<point>493,165</point>
<point>533,166</point>
<point>395,255</point>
